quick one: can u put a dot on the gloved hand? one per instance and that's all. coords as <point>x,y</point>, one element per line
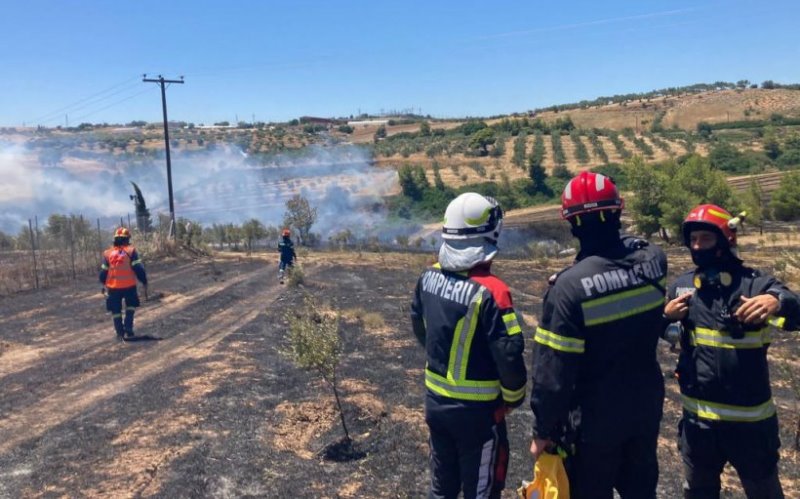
<point>104,291</point>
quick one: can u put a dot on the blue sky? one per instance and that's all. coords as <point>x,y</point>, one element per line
<point>280,60</point>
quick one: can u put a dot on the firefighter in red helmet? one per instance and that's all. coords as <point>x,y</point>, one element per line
<point>288,255</point>
<point>726,311</point>
<point>120,269</point>
<point>598,391</point>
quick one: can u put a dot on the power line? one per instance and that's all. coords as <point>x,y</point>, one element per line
<point>111,105</point>
<point>89,104</point>
<point>88,98</point>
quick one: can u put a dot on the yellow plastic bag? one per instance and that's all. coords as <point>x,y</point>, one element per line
<point>549,479</point>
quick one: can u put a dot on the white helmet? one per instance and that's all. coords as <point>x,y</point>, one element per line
<point>471,216</point>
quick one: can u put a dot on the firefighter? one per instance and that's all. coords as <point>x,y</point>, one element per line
<point>475,372</point>
<point>598,391</point>
<point>286,249</point>
<point>119,272</point>
<point>725,310</point>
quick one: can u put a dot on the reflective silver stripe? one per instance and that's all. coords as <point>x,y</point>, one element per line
<point>486,466</point>
<point>558,342</point>
<point>464,335</point>
<point>136,262</point>
<point>620,305</point>
<point>724,412</point>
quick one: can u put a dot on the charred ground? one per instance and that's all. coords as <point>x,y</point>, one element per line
<point>215,408</point>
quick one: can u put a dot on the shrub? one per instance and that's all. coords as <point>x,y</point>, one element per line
<point>296,276</point>
<point>316,345</point>
<point>373,320</point>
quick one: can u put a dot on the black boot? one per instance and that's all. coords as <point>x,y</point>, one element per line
<point>118,326</point>
<point>129,322</point>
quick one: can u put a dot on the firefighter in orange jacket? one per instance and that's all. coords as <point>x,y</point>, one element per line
<point>475,370</point>
<point>725,310</point>
<point>119,272</point>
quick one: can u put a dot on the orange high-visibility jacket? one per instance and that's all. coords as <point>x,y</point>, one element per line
<point>119,262</point>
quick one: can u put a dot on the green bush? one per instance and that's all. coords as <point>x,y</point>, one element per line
<point>785,202</point>
<point>726,157</point>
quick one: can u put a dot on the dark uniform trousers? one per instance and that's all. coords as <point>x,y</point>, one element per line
<point>751,448</point>
<point>114,305</point>
<point>630,467</point>
<point>468,445</point>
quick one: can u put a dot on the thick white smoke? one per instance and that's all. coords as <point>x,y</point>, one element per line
<point>217,186</point>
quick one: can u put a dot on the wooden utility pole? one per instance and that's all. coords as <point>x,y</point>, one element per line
<point>161,81</point>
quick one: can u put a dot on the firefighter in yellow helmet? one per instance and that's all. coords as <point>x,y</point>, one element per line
<point>120,269</point>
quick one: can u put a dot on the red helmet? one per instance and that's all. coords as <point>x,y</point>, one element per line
<point>711,217</point>
<point>589,192</point>
<point>285,233</point>
<point>122,232</point>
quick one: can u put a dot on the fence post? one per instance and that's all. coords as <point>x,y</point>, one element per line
<point>99,242</point>
<point>71,246</point>
<point>36,226</point>
<point>33,253</point>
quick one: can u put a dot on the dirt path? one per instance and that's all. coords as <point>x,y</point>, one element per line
<point>54,372</point>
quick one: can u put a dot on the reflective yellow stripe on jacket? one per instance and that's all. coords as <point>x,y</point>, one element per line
<point>719,339</point>
<point>621,305</point>
<point>558,342</point>
<point>455,384</point>
<point>724,412</point>
<point>512,324</point>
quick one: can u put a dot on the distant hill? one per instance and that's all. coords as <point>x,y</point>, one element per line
<point>685,111</point>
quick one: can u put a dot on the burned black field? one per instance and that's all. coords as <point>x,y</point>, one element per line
<point>216,409</point>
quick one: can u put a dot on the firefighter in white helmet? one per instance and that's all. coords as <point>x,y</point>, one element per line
<point>475,372</point>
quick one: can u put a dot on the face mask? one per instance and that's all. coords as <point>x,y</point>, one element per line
<point>705,258</point>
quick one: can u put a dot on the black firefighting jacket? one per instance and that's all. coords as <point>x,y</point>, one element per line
<point>722,368</point>
<point>286,249</point>
<point>472,336</point>
<point>595,374</point>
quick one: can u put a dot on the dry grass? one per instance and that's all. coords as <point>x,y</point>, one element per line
<point>373,320</point>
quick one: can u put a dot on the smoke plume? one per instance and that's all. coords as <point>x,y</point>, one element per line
<point>219,186</point>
